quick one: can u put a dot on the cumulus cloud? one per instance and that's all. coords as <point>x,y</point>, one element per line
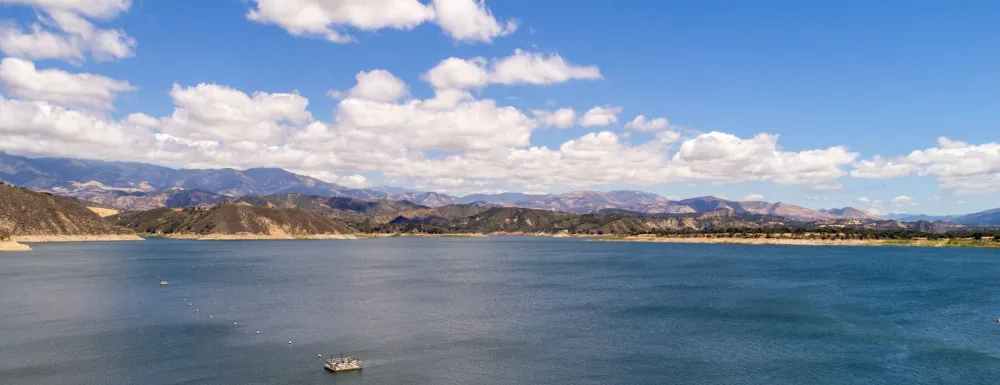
<point>97,9</point>
<point>641,124</point>
<point>463,20</point>
<point>717,155</point>
<point>902,201</point>
<point>378,85</point>
<point>753,197</point>
<point>604,158</point>
<point>826,187</point>
<point>21,79</point>
<point>423,124</point>
<point>452,141</point>
<point>470,21</point>
<point>958,166</point>
<point>600,116</point>
<point>520,68</point>
<point>214,112</point>
<point>561,118</point>
<point>63,32</point>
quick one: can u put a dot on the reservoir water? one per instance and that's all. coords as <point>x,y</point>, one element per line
<point>499,310</point>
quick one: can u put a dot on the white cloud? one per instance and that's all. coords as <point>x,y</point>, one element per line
<point>463,20</point>
<point>561,118</point>
<point>378,85</point>
<point>902,201</point>
<point>600,116</point>
<point>668,136</point>
<point>353,181</point>
<point>641,124</point>
<point>753,197</point>
<point>142,120</point>
<point>326,18</point>
<point>97,9</point>
<point>717,155</point>
<point>378,127</point>
<point>880,168</point>
<point>470,20</point>
<point>422,124</point>
<point>864,200</point>
<point>21,79</point>
<point>603,158</point>
<point>37,43</point>
<point>536,68</point>
<point>958,166</point>
<point>78,38</point>
<point>826,187</point>
<point>214,112</point>
<point>520,68</point>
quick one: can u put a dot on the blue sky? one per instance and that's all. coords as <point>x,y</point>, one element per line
<point>878,78</point>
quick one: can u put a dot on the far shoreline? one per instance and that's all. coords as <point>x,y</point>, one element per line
<point>18,244</point>
<point>804,242</point>
<point>77,238</point>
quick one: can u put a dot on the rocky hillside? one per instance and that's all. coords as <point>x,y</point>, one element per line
<point>472,219</point>
<point>235,220</point>
<point>30,215</point>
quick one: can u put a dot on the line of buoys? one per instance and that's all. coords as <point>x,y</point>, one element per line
<point>289,342</point>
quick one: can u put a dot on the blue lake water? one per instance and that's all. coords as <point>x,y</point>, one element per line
<point>500,310</point>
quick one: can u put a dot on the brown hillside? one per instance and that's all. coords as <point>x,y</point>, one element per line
<point>29,213</point>
<point>232,219</point>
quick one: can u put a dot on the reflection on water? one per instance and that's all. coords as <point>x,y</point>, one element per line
<point>496,311</point>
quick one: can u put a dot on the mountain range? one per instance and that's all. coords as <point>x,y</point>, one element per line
<point>141,186</point>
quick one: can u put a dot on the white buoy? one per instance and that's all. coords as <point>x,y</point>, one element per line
<point>210,316</point>
<point>258,332</point>
<point>189,304</point>
<point>195,309</point>
<point>319,355</point>
<point>289,342</point>
<point>234,323</point>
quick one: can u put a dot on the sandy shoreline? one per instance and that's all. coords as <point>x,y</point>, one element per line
<point>77,238</point>
<point>250,237</point>
<point>420,235</point>
<point>804,242</point>
<point>13,246</point>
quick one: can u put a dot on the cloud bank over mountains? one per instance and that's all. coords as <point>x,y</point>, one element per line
<point>453,141</point>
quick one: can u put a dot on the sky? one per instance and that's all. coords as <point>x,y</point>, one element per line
<point>889,106</point>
